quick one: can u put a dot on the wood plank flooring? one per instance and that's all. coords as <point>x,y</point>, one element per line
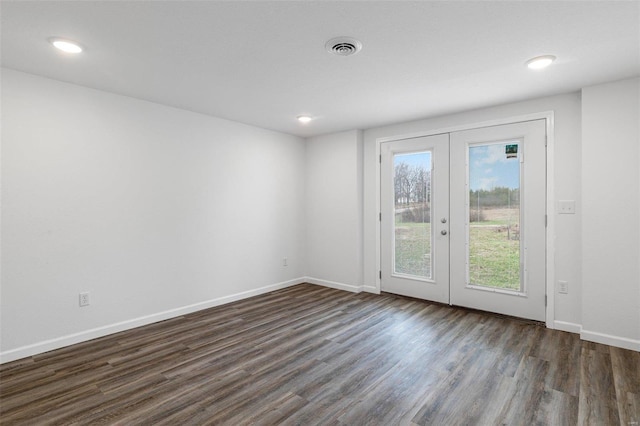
<point>311,355</point>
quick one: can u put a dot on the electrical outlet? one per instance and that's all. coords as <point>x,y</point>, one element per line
<point>84,299</point>
<point>563,287</point>
<point>284,261</point>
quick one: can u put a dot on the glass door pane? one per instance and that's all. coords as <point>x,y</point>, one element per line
<point>412,214</point>
<point>494,249</point>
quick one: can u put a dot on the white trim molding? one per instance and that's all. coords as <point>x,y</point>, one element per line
<point>593,336</point>
<point>371,289</point>
<point>567,326</point>
<point>71,339</point>
<point>83,336</point>
<point>334,284</point>
<point>608,339</point>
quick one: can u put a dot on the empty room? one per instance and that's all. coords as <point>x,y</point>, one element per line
<point>320,213</point>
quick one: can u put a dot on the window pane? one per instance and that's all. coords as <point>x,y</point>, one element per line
<point>412,189</point>
<point>494,215</point>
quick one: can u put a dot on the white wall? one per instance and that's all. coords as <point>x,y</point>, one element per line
<point>153,210</point>
<point>158,211</point>
<point>567,186</point>
<point>334,210</point>
<point>611,213</point>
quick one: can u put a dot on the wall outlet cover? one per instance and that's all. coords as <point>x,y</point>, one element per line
<point>84,299</point>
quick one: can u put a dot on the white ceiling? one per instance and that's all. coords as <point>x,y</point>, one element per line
<point>264,63</point>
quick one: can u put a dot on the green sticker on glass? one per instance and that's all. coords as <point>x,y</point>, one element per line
<point>511,151</point>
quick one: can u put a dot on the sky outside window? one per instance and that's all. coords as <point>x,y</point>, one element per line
<point>491,168</point>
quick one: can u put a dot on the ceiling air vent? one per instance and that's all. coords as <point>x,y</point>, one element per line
<point>343,46</point>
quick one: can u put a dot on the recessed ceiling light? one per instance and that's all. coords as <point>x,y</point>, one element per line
<point>540,62</point>
<point>304,118</point>
<point>67,46</point>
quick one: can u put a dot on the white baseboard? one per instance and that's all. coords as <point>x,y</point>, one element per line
<point>334,284</point>
<point>83,336</point>
<point>567,326</point>
<point>607,339</point>
<point>593,336</point>
<point>371,289</point>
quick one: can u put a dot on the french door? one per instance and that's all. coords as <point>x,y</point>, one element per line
<point>463,218</point>
<point>414,217</point>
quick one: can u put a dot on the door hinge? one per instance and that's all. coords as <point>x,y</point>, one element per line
<point>380,216</point>
<point>380,273</point>
<point>546,220</point>
<point>545,300</point>
<point>380,159</point>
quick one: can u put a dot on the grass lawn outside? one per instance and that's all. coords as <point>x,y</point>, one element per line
<point>494,259</point>
<point>413,249</point>
<point>494,249</point>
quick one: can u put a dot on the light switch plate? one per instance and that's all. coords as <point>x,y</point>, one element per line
<point>566,207</point>
<point>563,287</point>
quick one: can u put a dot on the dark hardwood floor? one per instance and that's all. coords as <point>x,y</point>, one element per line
<point>310,355</point>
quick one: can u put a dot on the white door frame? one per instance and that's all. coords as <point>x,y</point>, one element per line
<point>550,208</point>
